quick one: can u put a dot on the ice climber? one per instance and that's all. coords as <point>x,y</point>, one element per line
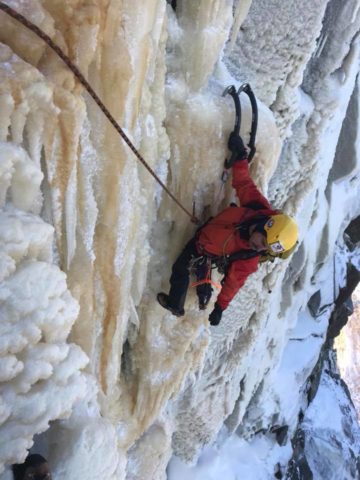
<point>234,241</point>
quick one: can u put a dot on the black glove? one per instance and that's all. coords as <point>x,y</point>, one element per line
<point>215,315</point>
<point>237,147</point>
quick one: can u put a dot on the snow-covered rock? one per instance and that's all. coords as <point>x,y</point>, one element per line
<point>331,430</point>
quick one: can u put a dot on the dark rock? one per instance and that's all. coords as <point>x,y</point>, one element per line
<point>299,470</point>
<point>314,303</point>
<point>340,314</point>
<point>172,3</point>
<point>278,473</point>
<point>281,434</point>
<point>314,378</point>
<point>298,467</point>
<point>353,230</point>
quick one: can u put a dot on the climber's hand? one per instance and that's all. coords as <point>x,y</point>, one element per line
<point>237,147</point>
<point>215,315</point>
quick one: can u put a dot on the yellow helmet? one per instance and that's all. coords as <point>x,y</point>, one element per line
<point>281,233</point>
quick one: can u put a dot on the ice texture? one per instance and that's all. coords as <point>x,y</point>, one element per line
<point>41,375</point>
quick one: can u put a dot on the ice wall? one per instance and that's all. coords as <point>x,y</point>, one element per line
<point>156,384</point>
<point>40,379</point>
<point>348,352</point>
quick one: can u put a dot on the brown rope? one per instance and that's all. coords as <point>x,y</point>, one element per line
<point>24,21</point>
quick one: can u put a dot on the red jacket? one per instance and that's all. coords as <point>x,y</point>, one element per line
<point>220,237</point>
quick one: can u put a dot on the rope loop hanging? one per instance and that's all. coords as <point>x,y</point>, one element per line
<point>41,34</point>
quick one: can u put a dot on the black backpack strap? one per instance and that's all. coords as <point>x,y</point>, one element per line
<point>242,255</point>
<point>254,205</point>
<point>224,262</point>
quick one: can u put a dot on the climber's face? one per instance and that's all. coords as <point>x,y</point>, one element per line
<point>40,472</point>
<point>257,241</point>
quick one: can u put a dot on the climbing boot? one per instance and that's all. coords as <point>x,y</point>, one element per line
<point>163,299</point>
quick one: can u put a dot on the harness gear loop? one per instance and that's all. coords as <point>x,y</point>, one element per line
<point>206,280</point>
<point>31,26</point>
<point>198,262</point>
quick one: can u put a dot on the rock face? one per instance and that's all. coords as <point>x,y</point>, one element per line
<point>348,347</point>
<point>347,344</point>
<point>325,448</point>
<point>88,237</point>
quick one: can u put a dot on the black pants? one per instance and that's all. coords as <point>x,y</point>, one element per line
<point>180,277</point>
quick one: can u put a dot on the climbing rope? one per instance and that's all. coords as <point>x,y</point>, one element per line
<point>28,24</point>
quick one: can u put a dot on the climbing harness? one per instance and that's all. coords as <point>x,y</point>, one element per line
<point>202,267</point>
<point>31,26</point>
<point>221,263</point>
<point>231,90</point>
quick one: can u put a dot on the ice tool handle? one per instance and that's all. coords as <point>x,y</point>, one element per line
<point>231,90</point>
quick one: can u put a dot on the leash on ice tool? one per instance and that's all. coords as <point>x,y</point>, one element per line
<point>231,90</point>
<point>41,34</point>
